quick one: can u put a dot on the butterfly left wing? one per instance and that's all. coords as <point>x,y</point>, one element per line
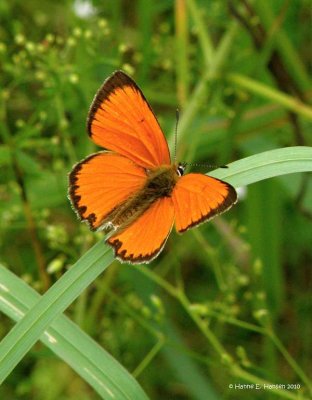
<point>198,198</point>
<point>144,239</point>
<point>121,120</point>
<point>100,183</point>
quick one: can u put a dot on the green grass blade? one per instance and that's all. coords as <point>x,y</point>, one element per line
<point>205,40</point>
<point>182,52</point>
<point>289,102</point>
<point>266,165</point>
<point>107,377</point>
<point>28,330</point>
<point>264,222</point>
<point>199,92</point>
<point>199,387</point>
<point>284,45</point>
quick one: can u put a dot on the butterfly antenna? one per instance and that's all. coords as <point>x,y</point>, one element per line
<point>176,135</point>
<point>205,165</point>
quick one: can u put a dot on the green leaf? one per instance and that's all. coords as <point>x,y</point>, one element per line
<point>107,377</point>
<point>266,165</point>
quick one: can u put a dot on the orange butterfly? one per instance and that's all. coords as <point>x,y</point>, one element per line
<point>132,189</point>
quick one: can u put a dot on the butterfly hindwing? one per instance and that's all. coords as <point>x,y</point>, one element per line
<point>144,239</point>
<point>198,198</point>
<point>100,183</point>
<point>121,120</point>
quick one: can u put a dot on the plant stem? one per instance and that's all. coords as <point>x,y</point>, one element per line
<point>204,328</point>
<point>203,34</point>
<point>182,49</point>
<point>226,358</point>
<point>289,102</point>
<point>149,357</point>
<point>290,360</point>
<point>264,384</point>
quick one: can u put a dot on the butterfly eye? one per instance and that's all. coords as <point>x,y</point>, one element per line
<point>181,168</point>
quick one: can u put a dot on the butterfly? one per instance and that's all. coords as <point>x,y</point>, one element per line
<point>131,189</point>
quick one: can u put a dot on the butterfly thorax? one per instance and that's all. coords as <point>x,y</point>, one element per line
<point>160,183</point>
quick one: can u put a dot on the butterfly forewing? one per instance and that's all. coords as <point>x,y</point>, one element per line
<point>101,183</point>
<point>121,120</point>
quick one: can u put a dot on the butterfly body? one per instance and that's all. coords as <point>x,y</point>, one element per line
<point>132,189</point>
<point>159,183</point>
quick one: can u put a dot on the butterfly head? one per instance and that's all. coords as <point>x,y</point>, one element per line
<point>181,168</point>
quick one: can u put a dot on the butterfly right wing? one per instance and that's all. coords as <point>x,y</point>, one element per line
<point>198,198</point>
<point>101,183</point>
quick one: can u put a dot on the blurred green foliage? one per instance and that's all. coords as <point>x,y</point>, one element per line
<point>247,276</point>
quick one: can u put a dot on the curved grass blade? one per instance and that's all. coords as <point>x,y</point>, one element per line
<point>28,330</point>
<point>266,165</point>
<point>107,377</point>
